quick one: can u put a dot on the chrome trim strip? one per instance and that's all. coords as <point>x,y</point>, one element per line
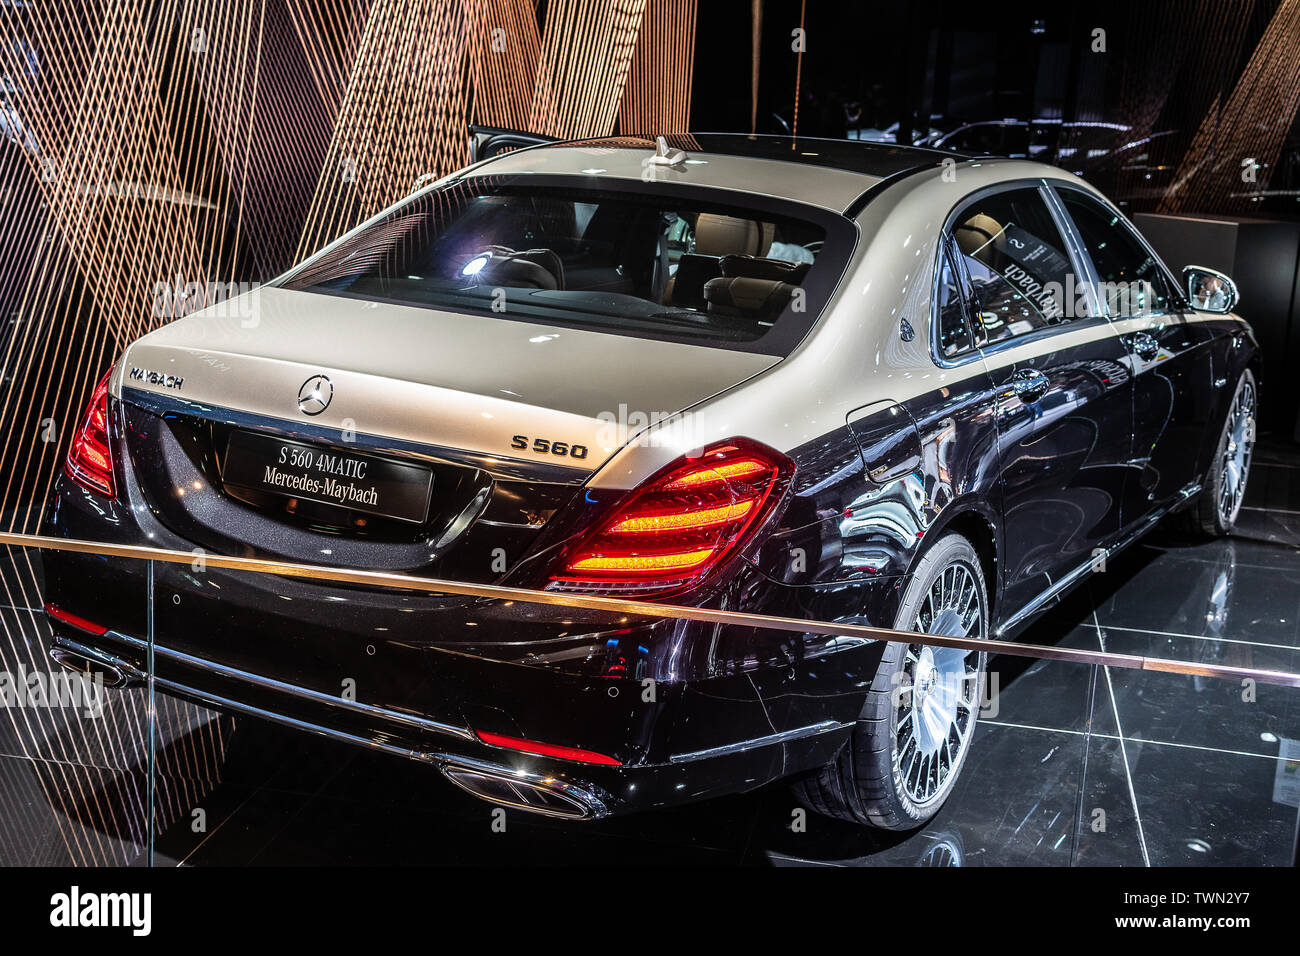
<point>1052,590</point>
<point>1080,258</point>
<point>294,690</point>
<point>225,703</point>
<point>404,582</point>
<point>785,736</point>
<point>500,467</point>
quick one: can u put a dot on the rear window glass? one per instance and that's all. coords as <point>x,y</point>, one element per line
<point>652,261</point>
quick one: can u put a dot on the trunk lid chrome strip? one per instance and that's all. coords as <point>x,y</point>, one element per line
<point>508,468</point>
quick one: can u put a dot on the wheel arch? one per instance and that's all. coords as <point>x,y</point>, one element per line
<point>974,520</point>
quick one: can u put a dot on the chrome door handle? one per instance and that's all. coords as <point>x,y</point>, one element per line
<point>1144,345</point>
<point>1029,384</point>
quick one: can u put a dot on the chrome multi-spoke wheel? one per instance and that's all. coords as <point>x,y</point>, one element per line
<point>1234,459</point>
<point>912,737</point>
<point>1215,510</point>
<point>939,691</point>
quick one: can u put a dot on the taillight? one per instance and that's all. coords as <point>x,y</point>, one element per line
<point>67,617</point>
<point>546,750</point>
<point>90,462</point>
<point>681,525</point>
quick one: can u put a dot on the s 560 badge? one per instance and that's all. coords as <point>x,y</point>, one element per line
<point>544,447</point>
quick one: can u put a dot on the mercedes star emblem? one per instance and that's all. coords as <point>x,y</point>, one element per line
<point>315,394</point>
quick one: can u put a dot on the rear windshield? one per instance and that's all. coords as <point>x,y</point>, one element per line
<point>651,261</point>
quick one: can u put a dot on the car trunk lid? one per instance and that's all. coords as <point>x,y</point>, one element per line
<point>454,381</point>
<point>497,422</point>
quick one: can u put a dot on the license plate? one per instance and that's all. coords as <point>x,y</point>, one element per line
<point>379,486</point>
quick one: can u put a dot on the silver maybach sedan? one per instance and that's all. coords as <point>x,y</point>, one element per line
<point>839,381</point>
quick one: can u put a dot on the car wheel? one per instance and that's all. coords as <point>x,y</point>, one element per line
<point>916,726</point>
<point>1219,503</point>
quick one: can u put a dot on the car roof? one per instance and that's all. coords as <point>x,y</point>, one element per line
<point>777,166</point>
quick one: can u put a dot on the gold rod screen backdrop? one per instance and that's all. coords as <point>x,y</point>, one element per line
<point>155,155</point>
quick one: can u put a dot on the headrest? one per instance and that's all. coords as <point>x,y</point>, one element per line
<point>758,267</point>
<point>527,269</point>
<point>749,297</point>
<point>717,235</point>
<point>978,235</point>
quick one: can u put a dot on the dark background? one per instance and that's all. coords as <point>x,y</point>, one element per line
<point>1168,66</point>
<point>1185,96</point>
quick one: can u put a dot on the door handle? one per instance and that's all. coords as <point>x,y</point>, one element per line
<point>1029,384</point>
<point>1144,345</point>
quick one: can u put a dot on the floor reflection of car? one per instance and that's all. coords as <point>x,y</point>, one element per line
<point>719,371</point>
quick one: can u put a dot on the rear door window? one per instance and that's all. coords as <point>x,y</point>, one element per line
<point>1020,272</point>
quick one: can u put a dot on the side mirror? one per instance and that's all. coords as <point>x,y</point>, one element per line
<point>1209,290</point>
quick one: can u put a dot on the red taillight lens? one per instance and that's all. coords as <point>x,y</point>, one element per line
<point>90,462</point>
<point>681,525</point>
<point>67,617</point>
<point>546,750</point>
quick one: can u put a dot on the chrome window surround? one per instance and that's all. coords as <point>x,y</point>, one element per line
<point>1081,264</point>
<point>1080,259</point>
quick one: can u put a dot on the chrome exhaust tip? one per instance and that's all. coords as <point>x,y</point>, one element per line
<point>113,672</point>
<point>534,793</point>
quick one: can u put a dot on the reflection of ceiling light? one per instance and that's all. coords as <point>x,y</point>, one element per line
<point>1200,846</point>
<point>1268,738</point>
<point>474,266</point>
<point>594,172</point>
<point>1039,27</point>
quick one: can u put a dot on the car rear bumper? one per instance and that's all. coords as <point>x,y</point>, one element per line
<point>552,786</point>
<point>683,710</point>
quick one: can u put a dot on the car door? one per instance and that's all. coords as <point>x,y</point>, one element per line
<point>1170,357</point>
<point>1063,411</point>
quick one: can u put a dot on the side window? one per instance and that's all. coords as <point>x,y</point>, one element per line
<point>1016,258</point>
<point>950,311</point>
<point>1132,282</point>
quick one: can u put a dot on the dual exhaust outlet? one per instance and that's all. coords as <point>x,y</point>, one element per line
<point>534,793</point>
<point>83,660</point>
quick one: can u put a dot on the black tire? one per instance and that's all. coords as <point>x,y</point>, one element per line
<point>1206,517</point>
<point>864,784</point>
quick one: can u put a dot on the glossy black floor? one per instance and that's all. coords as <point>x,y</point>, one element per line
<point>1077,765</point>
